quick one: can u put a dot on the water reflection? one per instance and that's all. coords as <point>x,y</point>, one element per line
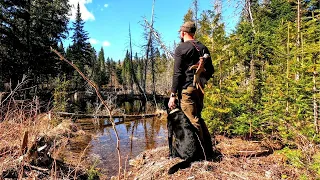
<point>138,107</point>
<point>135,137</point>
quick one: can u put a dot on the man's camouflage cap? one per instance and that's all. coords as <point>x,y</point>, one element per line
<point>189,27</point>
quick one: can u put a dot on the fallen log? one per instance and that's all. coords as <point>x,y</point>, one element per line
<point>75,115</point>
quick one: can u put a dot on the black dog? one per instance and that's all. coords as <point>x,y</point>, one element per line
<point>186,143</point>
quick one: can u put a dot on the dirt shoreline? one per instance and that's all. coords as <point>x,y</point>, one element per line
<point>154,164</point>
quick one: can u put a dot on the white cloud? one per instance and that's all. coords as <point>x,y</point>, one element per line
<point>85,14</point>
<point>106,43</point>
<point>93,41</point>
<point>106,5</point>
<point>97,42</point>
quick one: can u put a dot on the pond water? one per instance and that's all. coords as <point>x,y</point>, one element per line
<point>135,137</point>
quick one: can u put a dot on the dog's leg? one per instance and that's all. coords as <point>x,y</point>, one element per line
<point>170,133</point>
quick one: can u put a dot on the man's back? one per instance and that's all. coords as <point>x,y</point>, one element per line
<point>186,55</point>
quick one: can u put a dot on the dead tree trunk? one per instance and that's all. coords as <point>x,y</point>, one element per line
<point>253,64</point>
<point>158,39</point>
<point>315,91</point>
<point>195,4</point>
<point>150,51</point>
<point>133,74</point>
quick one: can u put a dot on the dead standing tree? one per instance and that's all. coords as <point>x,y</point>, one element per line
<point>168,52</point>
<point>158,39</point>
<point>133,74</point>
<point>150,54</point>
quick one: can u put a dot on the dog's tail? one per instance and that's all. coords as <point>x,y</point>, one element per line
<point>181,165</point>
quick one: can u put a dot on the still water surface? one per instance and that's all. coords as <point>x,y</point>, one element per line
<point>135,137</point>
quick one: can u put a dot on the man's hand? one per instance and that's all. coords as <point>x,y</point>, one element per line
<point>172,103</point>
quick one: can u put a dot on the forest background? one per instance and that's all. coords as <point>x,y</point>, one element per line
<point>265,85</point>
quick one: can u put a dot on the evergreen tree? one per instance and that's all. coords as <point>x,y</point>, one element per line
<point>119,74</point>
<point>126,76</point>
<point>109,71</point>
<point>139,66</point>
<point>189,16</point>
<point>28,29</point>
<point>102,68</point>
<point>81,52</point>
<point>256,91</point>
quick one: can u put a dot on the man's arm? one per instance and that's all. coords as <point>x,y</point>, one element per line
<point>177,73</point>
<point>176,79</point>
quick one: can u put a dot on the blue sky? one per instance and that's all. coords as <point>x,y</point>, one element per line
<point>107,21</point>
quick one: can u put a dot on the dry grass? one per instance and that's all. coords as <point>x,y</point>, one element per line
<point>19,117</point>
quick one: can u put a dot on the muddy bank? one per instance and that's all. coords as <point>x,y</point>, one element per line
<point>241,160</point>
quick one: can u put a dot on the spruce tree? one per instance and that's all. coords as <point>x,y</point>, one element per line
<point>102,68</point>
<point>189,16</point>
<point>80,49</point>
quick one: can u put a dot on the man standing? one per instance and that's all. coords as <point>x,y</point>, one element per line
<point>187,85</point>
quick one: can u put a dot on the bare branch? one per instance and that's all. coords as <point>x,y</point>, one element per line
<point>92,84</point>
<point>19,85</point>
<point>158,38</point>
